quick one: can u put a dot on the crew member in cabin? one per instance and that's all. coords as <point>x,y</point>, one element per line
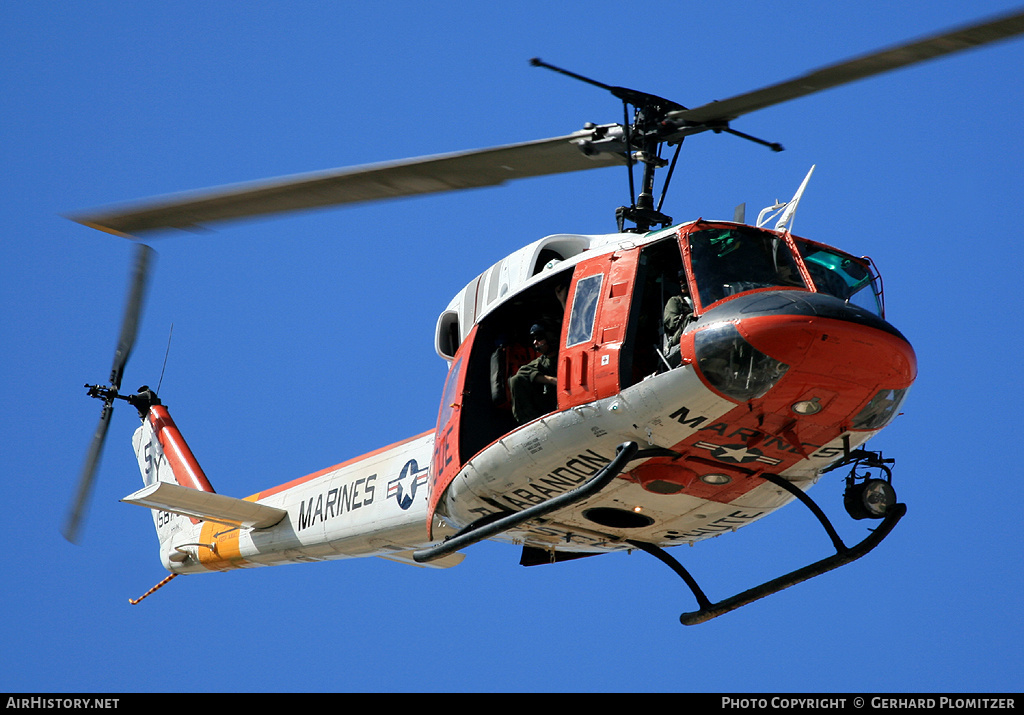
<point>533,386</point>
<point>678,311</point>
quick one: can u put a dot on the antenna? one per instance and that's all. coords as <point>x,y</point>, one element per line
<point>167,352</point>
<point>786,220</point>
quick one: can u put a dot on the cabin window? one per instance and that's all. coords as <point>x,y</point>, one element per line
<point>728,261</point>
<point>447,338</point>
<point>584,310</point>
<point>450,397</point>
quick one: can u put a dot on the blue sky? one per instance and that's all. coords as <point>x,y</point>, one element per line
<point>300,342</point>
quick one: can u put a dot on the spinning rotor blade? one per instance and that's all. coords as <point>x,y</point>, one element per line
<point>590,148</point>
<point>858,68</point>
<point>373,182</point>
<point>85,481</point>
<point>129,329</point>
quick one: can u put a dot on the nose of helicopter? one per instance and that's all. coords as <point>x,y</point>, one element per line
<point>829,352</point>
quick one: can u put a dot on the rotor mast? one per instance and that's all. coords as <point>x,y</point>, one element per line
<point>643,136</point>
<point>642,144</point>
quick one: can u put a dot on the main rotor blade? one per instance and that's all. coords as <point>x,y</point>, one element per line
<point>85,481</point>
<point>857,68</point>
<point>409,177</point>
<point>132,312</point>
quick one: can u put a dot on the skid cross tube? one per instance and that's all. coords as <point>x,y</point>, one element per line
<point>844,555</point>
<point>625,452</point>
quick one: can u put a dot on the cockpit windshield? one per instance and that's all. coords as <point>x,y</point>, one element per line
<point>841,275</point>
<point>728,261</point>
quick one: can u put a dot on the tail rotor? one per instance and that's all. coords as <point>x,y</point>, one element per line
<point>137,286</point>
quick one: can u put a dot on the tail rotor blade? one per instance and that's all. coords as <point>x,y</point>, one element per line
<point>137,285</point>
<point>85,482</point>
<point>133,310</point>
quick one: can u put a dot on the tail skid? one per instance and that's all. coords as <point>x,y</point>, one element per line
<point>150,592</point>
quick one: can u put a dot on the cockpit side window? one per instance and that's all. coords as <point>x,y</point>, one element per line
<point>728,261</point>
<point>841,275</point>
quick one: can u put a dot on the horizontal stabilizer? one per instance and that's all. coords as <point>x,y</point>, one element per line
<point>208,506</point>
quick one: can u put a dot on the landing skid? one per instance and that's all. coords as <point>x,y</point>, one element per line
<point>498,523</point>
<point>843,556</point>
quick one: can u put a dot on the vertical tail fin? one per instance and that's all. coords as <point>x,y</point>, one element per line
<point>164,456</point>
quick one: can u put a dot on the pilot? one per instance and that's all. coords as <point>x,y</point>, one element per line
<point>678,312</point>
<point>533,386</point>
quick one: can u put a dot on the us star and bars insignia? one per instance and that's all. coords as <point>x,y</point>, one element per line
<point>737,453</point>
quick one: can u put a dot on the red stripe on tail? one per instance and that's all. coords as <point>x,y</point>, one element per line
<point>186,469</point>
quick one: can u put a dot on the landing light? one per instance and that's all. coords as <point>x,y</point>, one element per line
<point>870,499</point>
<point>733,366</point>
<point>807,407</point>
<point>715,479</point>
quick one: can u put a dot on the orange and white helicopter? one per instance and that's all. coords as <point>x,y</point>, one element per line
<point>657,386</point>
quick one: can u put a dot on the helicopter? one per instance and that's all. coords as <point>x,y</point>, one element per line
<point>780,368</point>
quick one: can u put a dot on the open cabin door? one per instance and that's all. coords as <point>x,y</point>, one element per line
<point>601,351</point>
<point>476,407</point>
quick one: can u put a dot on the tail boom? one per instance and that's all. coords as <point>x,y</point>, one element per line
<point>373,505</point>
